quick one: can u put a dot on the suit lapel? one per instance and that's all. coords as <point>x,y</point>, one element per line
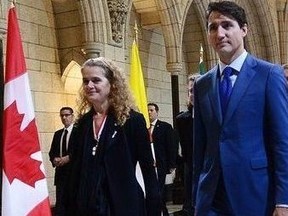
<point>156,129</point>
<point>59,141</point>
<point>110,131</point>
<point>242,82</point>
<point>214,94</point>
<point>71,138</point>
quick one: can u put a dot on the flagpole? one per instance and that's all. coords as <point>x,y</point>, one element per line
<point>1,116</point>
<point>201,52</point>
<point>202,68</point>
<point>24,175</point>
<point>136,30</point>
<point>13,3</point>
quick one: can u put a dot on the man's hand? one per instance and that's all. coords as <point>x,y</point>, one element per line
<point>64,160</point>
<point>56,161</point>
<point>61,161</point>
<point>172,170</point>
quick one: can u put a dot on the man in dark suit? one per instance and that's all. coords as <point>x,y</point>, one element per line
<point>184,127</point>
<point>60,154</point>
<point>240,122</point>
<point>165,149</point>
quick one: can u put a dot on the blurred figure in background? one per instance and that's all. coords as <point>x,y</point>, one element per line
<point>184,127</point>
<point>165,148</point>
<point>60,154</point>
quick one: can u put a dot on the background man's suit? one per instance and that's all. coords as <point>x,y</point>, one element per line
<point>252,158</point>
<point>61,173</point>
<point>184,126</point>
<point>166,150</point>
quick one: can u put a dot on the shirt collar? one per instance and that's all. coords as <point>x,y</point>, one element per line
<point>236,64</point>
<point>69,129</point>
<point>154,122</point>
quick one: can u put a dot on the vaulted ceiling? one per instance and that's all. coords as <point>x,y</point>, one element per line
<point>148,12</point>
<point>150,17</point>
<point>282,5</point>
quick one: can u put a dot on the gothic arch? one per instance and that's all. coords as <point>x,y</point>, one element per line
<point>263,41</point>
<point>268,26</point>
<point>93,21</point>
<point>72,78</point>
<point>200,7</point>
<point>171,22</point>
<point>282,14</point>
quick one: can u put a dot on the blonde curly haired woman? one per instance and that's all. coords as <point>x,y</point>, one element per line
<point>103,181</point>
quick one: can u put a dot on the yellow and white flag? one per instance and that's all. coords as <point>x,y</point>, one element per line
<point>137,82</point>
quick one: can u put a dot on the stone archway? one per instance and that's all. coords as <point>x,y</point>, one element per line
<point>72,78</point>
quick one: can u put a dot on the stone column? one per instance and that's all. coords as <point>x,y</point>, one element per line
<point>118,11</point>
<point>174,69</point>
<point>172,192</point>
<point>93,50</point>
<point>282,14</point>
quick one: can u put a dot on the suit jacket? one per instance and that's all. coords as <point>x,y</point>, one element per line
<point>125,195</point>
<point>249,145</point>
<point>61,172</point>
<point>184,127</point>
<point>165,146</point>
<point>139,145</point>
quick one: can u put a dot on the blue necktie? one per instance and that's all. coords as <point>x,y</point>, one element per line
<point>225,88</point>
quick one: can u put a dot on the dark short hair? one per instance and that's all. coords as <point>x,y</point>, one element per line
<point>193,77</point>
<point>67,108</point>
<point>155,105</point>
<point>229,9</point>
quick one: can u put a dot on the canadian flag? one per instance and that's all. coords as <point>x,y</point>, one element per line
<point>24,186</point>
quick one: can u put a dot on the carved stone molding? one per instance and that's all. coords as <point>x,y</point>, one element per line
<point>174,68</point>
<point>118,13</point>
<point>92,50</point>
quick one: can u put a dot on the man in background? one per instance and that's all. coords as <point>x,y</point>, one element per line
<point>60,154</point>
<point>165,148</point>
<point>184,127</point>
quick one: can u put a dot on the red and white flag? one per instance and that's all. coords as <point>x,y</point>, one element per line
<point>24,186</point>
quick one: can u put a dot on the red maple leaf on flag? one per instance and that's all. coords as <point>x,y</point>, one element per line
<point>19,145</point>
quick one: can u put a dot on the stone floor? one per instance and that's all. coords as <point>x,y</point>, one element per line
<point>172,209</point>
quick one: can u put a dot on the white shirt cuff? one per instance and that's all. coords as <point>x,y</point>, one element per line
<point>282,205</point>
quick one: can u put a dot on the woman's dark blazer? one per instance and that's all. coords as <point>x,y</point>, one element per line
<point>140,148</point>
<point>125,195</point>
